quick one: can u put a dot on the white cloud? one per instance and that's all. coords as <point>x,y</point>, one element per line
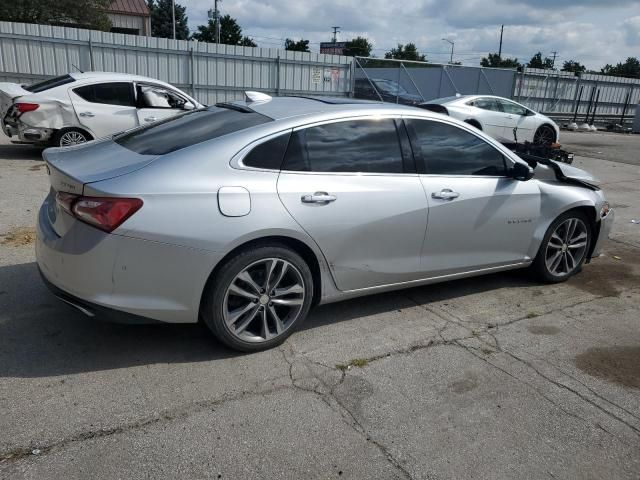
<point>589,31</point>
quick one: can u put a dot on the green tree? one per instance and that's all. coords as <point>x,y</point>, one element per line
<point>301,45</point>
<point>85,13</point>
<point>494,60</point>
<point>405,52</point>
<point>162,21</point>
<point>573,66</point>
<point>537,62</point>
<point>230,33</point>
<point>630,68</point>
<point>358,47</point>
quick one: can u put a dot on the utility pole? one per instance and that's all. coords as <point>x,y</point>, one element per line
<point>500,49</point>
<point>336,30</point>
<point>452,45</point>
<point>173,17</point>
<point>553,62</point>
<point>217,16</point>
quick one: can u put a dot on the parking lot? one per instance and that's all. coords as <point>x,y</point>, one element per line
<point>490,377</point>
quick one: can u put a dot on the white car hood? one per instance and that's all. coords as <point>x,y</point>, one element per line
<point>577,174</point>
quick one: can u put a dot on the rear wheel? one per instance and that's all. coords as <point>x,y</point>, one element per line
<point>564,248</point>
<point>258,298</point>
<point>67,137</point>
<point>545,135</point>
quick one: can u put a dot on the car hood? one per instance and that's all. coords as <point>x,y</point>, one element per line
<point>577,174</point>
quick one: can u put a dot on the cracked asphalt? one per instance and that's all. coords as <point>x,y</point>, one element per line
<point>491,377</point>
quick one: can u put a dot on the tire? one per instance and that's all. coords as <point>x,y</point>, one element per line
<point>237,300</point>
<point>558,259</point>
<point>545,135</point>
<point>67,137</point>
<point>474,123</point>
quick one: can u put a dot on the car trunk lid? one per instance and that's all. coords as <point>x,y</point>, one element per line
<point>71,168</point>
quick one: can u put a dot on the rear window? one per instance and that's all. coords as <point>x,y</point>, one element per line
<point>189,129</point>
<point>50,83</point>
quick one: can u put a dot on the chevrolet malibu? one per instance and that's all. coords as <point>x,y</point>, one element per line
<point>247,214</point>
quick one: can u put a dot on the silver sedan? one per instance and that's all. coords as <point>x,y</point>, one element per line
<point>247,214</point>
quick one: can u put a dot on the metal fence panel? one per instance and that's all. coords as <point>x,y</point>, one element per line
<point>210,72</point>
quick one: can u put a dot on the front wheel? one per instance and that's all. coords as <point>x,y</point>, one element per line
<point>257,298</point>
<point>564,248</point>
<point>545,135</point>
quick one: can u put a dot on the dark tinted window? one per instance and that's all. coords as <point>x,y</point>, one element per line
<point>449,150</point>
<point>355,146</point>
<point>188,129</point>
<point>116,93</point>
<point>50,83</point>
<point>268,154</point>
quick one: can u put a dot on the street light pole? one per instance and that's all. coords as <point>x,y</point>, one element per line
<point>452,45</point>
<point>217,20</point>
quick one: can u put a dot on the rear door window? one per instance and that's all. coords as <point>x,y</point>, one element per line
<point>368,146</point>
<point>487,104</point>
<point>188,129</point>
<point>113,93</point>
<point>268,154</point>
<point>443,149</point>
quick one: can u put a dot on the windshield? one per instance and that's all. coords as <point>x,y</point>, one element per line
<point>188,129</point>
<point>50,83</point>
<point>389,86</point>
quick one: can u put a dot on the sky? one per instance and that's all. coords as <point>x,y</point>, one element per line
<point>593,32</point>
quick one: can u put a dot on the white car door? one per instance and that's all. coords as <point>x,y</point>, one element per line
<point>156,102</point>
<point>520,118</point>
<point>490,115</point>
<point>105,108</point>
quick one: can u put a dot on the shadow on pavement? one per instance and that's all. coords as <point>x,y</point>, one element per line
<point>40,336</point>
<point>11,151</point>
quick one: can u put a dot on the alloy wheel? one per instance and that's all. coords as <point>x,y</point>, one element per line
<point>264,300</point>
<point>544,136</point>
<point>72,138</point>
<point>567,247</point>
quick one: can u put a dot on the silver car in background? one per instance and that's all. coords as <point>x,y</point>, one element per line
<point>247,214</point>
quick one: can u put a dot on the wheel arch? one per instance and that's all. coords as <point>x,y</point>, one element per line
<point>297,245</point>
<point>59,131</point>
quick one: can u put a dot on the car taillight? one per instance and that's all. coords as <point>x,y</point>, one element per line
<point>26,107</point>
<point>105,213</point>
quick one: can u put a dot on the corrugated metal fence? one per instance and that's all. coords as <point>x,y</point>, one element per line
<point>210,72</point>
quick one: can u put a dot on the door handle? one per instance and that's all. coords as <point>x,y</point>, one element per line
<point>445,194</point>
<point>150,119</point>
<point>87,114</point>
<point>318,197</point>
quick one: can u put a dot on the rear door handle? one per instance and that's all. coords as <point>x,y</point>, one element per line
<point>445,194</point>
<point>318,197</point>
<point>87,114</point>
<point>150,119</point>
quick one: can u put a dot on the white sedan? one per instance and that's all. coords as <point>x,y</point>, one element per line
<point>79,107</point>
<point>503,119</point>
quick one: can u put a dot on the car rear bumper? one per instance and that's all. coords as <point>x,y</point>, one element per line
<point>112,275</point>
<point>25,133</point>
<point>606,223</point>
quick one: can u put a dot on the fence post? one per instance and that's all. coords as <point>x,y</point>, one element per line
<point>193,72</point>
<point>91,53</point>
<point>278,75</point>
<point>352,70</point>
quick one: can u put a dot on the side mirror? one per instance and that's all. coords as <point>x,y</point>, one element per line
<point>521,172</point>
<point>188,106</point>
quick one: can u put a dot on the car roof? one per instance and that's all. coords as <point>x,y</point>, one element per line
<point>112,76</point>
<point>287,107</point>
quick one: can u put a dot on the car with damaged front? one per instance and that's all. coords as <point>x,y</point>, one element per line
<point>79,107</point>
<point>247,214</point>
<point>501,118</point>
